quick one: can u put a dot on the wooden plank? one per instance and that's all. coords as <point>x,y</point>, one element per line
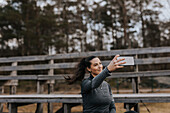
<point>73,64</point>
<point>78,96</point>
<point>20,77</point>
<point>152,61</point>
<point>61,98</point>
<point>113,75</point>
<point>152,50</point>
<point>54,77</point>
<point>38,67</point>
<point>140,74</point>
<point>144,61</point>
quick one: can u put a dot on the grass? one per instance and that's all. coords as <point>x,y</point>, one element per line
<point>153,108</point>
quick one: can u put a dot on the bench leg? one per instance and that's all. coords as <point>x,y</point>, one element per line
<point>39,108</point>
<point>50,90</point>
<point>40,90</point>
<point>1,107</point>
<point>50,108</point>
<point>1,92</point>
<point>137,108</point>
<point>67,108</point>
<point>12,108</point>
<point>129,106</point>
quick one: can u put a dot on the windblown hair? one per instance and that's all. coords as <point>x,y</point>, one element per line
<point>80,70</point>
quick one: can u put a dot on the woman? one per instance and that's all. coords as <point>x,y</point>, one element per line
<point>96,93</point>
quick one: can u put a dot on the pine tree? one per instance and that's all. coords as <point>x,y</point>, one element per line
<point>33,27</point>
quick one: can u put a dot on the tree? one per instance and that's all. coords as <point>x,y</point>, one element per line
<point>34,28</point>
<point>10,26</point>
<point>149,21</point>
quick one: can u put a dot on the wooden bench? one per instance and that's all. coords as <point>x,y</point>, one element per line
<point>13,65</point>
<point>69,99</point>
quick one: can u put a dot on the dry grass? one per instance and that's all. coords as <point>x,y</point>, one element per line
<point>153,108</point>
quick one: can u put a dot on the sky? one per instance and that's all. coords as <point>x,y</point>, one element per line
<point>165,15</point>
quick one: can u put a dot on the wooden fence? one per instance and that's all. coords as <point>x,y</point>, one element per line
<point>12,68</point>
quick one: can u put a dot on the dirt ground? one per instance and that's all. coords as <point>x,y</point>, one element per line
<point>153,108</point>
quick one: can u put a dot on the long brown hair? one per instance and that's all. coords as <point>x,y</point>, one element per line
<point>80,70</point>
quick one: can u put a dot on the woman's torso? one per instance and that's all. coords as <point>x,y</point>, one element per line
<point>97,100</point>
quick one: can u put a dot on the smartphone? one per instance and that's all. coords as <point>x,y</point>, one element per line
<point>128,59</point>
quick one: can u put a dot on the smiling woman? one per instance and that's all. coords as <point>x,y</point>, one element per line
<point>96,67</point>
<point>96,92</point>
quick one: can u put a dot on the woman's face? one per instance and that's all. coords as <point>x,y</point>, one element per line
<point>96,66</point>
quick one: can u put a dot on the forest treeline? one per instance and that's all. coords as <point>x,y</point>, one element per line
<point>38,27</point>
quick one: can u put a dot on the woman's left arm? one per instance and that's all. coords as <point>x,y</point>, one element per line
<point>112,108</point>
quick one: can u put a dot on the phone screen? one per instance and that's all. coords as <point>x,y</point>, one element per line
<point>129,60</point>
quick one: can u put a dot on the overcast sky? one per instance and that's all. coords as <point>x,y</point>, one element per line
<point>165,15</point>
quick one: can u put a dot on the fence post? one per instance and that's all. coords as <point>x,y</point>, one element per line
<point>13,108</point>
<point>50,86</point>
<point>1,104</point>
<point>13,89</point>
<point>135,85</point>
<point>117,85</point>
<point>40,90</point>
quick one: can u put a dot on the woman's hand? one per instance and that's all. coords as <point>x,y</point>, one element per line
<point>115,64</point>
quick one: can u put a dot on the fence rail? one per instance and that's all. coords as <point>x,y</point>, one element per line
<point>77,98</point>
<point>163,60</point>
<point>113,75</point>
<point>137,51</point>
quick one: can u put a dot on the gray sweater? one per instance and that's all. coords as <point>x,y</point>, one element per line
<point>97,95</point>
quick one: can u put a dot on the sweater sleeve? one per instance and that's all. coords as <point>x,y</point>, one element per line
<point>112,108</point>
<point>88,85</point>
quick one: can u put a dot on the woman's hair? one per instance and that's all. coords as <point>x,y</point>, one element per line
<point>80,70</point>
